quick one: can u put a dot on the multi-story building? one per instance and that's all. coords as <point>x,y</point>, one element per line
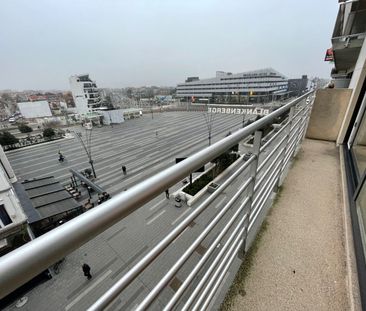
<point>296,87</point>
<point>12,217</point>
<point>258,85</point>
<point>85,93</point>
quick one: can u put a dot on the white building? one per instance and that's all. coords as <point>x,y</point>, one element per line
<point>36,109</point>
<point>85,93</point>
<point>111,116</point>
<point>12,217</point>
<point>264,82</point>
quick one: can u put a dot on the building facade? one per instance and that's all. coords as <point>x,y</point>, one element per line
<point>296,87</point>
<point>85,93</point>
<point>12,217</point>
<point>349,52</point>
<point>258,85</point>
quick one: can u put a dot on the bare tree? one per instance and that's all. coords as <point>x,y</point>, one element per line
<point>209,119</point>
<point>86,144</point>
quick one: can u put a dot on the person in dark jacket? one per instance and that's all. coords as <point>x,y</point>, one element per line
<point>86,270</point>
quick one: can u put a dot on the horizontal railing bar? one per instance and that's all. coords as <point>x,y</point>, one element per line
<point>295,139</point>
<point>292,138</point>
<point>295,125</point>
<point>224,271</point>
<point>269,156</point>
<point>264,200</point>
<point>207,274</point>
<point>288,157</point>
<point>259,195</point>
<point>269,168</point>
<point>235,246</point>
<point>291,150</point>
<point>273,179</point>
<point>122,283</point>
<point>269,133</point>
<point>184,257</point>
<point>208,252</point>
<point>274,136</point>
<point>298,112</point>
<point>24,263</point>
<point>298,139</point>
<point>307,108</point>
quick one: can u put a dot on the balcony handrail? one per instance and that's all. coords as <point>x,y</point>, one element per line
<point>24,263</point>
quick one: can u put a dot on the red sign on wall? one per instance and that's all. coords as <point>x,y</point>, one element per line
<point>329,57</point>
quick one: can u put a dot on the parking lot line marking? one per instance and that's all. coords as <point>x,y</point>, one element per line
<point>218,204</point>
<point>185,212</point>
<point>89,289</point>
<point>156,217</point>
<point>179,235</point>
<point>156,205</point>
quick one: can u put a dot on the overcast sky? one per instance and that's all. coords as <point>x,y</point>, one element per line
<point>159,42</point>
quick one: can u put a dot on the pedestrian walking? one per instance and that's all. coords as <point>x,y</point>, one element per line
<point>86,270</point>
<point>60,156</point>
<point>156,133</point>
<point>124,170</point>
<point>167,193</point>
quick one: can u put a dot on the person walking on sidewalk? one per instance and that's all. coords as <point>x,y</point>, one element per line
<point>86,270</point>
<point>124,170</point>
<point>167,193</point>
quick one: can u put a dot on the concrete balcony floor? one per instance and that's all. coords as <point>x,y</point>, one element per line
<point>303,260</point>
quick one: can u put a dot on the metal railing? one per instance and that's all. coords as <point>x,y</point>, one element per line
<point>266,173</point>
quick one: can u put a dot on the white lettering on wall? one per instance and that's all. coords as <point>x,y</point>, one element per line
<point>255,111</point>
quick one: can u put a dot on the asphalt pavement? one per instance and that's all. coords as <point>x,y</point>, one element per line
<point>111,254</point>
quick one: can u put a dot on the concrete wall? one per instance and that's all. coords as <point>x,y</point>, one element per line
<point>328,113</point>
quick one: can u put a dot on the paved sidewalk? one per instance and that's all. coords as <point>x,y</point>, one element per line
<point>301,261</point>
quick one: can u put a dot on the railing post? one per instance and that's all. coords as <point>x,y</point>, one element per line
<point>307,118</point>
<point>288,132</point>
<point>299,136</point>
<point>253,175</point>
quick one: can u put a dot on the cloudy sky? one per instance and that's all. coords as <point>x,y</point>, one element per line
<point>159,42</point>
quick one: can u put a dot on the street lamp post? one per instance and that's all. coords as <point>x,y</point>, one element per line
<point>209,118</point>
<point>110,119</point>
<point>87,146</point>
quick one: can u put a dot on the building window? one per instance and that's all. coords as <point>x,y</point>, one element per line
<point>359,146</point>
<point>361,211</point>
<point>356,173</point>
<point>4,216</point>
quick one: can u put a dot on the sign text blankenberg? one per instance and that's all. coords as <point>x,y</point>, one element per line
<point>256,111</point>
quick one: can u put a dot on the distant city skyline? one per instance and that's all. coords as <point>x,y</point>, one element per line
<point>159,43</point>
